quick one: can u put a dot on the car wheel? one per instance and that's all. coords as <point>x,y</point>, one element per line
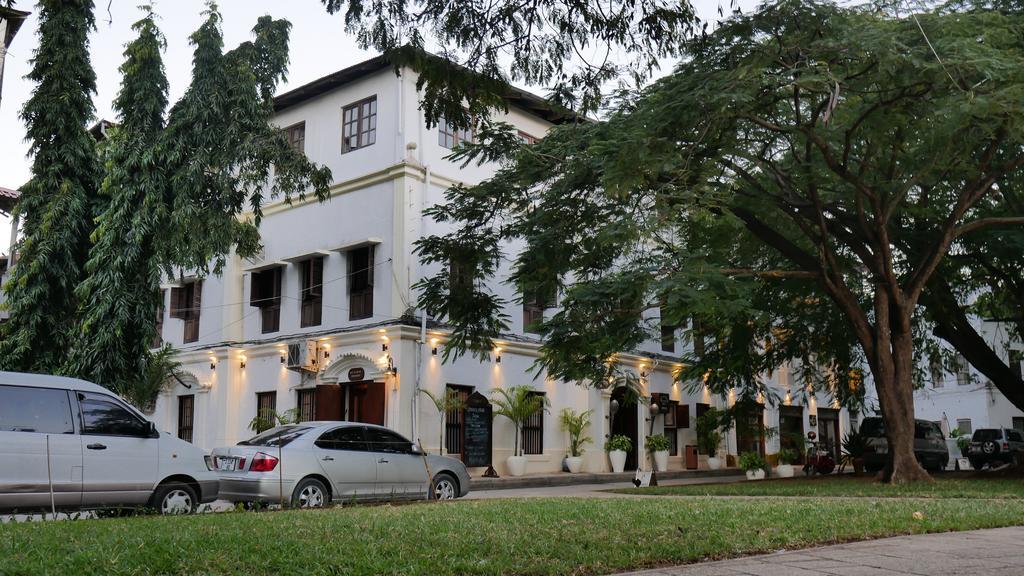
<point>445,487</point>
<point>175,498</point>
<point>310,493</point>
<point>990,447</point>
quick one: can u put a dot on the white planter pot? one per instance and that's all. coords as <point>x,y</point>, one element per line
<point>714,463</point>
<point>755,474</point>
<point>574,463</point>
<point>516,465</point>
<point>661,460</point>
<point>618,459</point>
<point>784,471</point>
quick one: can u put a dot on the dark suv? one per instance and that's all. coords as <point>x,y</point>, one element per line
<point>929,444</point>
<point>996,445</point>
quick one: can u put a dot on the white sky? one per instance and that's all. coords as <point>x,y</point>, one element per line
<point>319,46</point>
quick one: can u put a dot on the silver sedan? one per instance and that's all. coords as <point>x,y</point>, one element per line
<point>310,464</point>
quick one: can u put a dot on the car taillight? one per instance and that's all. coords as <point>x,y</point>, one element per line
<point>1006,446</point>
<point>263,463</point>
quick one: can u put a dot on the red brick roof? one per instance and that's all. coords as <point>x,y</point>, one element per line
<point>7,199</point>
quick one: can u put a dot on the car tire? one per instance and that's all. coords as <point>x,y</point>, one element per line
<point>444,487</point>
<point>174,498</point>
<point>990,448</point>
<point>310,493</point>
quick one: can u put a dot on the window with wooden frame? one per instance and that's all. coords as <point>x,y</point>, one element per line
<point>526,138</point>
<point>448,136</point>
<point>265,294</point>
<point>186,304</point>
<point>455,420</point>
<point>672,427</point>
<point>1016,358</point>
<point>311,291</point>
<point>535,302</point>
<point>266,410</point>
<point>963,371</point>
<point>296,136</point>
<point>668,331</point>
<point>158,338</point>
<point>360,282</point>
<point>186,416</point>
<point>533,430</point>
<point>359,125</point>
<point>697,333</point>
<point>306,403</point>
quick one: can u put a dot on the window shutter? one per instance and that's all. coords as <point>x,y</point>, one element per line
<point>178,303</point>
<point>683,416</point>
<point>197,298</point>
<point>369,266</point>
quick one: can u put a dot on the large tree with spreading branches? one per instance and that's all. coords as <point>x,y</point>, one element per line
<point>798,183</point>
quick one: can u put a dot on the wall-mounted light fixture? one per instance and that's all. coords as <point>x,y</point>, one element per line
<point>384,347</point>
<point>241,361</point>
<point>433,346</point>
<point>284,356</point>
<point>213,362</point>
<point>327,350</point>
<point>497,355</point>
<point>643,371</point>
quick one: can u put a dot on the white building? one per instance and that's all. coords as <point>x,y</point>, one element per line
<point>333,292</point>
<point>966,399</point>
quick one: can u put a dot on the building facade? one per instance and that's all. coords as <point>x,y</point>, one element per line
<point>325,322</point>
<point>965,399</point>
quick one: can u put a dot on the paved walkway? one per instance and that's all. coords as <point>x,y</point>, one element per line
<point>996,552</point>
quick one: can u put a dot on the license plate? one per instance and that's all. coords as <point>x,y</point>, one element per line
<point>227,464</point>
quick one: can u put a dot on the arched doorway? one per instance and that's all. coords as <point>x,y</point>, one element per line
<point>352,389</point>
<point>622,412</point>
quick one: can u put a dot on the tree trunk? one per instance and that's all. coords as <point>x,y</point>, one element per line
<point>892,368</point>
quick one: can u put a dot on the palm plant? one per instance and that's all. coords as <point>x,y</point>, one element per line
<point>266,419</point>
<point>158,374</point>
<point>575,423</point>
<point>518,403</point>
<point>449,402</point>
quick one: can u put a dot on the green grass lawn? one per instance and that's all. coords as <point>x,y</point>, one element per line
<point>945,486</point>
<point>531,536</point>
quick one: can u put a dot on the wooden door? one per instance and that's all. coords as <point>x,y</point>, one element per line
<point>366,402</point>
<point>330,403</point>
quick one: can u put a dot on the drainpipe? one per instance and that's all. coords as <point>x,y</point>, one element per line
<point>423,315</point>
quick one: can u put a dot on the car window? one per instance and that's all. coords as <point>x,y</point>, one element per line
<point>103,415</point>
<point>44,410</point>
<point>873,427</point>
<point>279,436</point>
<point>387,441</point>
<point>1015,436</point>
<point>986,434</point>
<point>345,438</point>
<point>927,431</point>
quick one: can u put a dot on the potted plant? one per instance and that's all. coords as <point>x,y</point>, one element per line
<point>854,445</point>
<point>708,436</point>
<point>753,464</point>
<point>787,458</point>
<point>575,423</point>
<point>517,403</point>
<point>617,447</point>
<point>450,402</point>
<point>658,446</point>
<point>963,441</point>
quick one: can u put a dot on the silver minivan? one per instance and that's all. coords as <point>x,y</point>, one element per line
<point>72,444</point>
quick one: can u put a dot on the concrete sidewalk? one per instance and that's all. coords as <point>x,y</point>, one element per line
<point>995,552</point>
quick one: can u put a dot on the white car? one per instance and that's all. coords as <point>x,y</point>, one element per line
<point>313,463</point>
<point>82,446</point>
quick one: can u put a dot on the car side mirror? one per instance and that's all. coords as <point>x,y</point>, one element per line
<point>151,428</point>
<point>414,449</point>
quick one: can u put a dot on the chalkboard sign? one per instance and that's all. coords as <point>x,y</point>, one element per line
<point>477,448</point>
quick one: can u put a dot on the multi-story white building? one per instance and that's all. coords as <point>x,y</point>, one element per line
<point>325,321</point>
<point>966,399</point>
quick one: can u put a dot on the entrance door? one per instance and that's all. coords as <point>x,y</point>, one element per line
<point>828,431</point>
<point>366,402</point>
<point>749,437</point>
<point>330,403</point>
<point>791,426</point>
<point>625,422</point>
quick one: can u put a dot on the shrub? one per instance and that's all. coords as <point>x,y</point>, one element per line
<point>708,436</point>
<point>788,456</point>
<point>750,461</point>
<point>657,443</point>
<point>618,442</point>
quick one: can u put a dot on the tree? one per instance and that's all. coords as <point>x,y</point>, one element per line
<point>518,403</point>
<point>831,159</point>
<point>449,402</point>
<point>59,202</point>
<point>579,47</point>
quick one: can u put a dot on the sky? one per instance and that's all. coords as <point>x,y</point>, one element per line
<point>319,46</point>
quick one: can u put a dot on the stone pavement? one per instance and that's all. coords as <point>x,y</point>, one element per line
<point>996,552</point>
